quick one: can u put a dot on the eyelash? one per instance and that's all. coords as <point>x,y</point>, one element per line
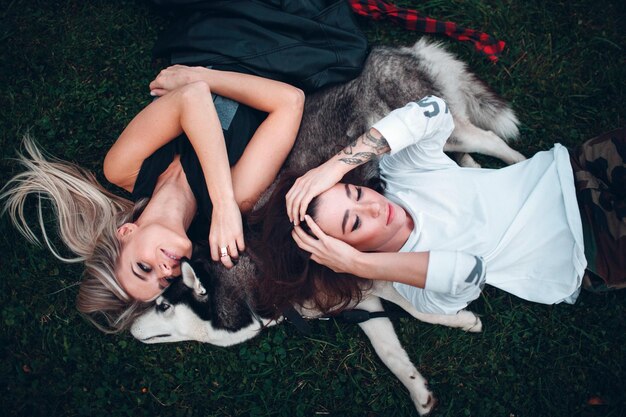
<point>357,221</point>
<point>143,267</point>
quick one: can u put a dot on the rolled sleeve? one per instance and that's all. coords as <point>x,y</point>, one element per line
<point>427,120</point>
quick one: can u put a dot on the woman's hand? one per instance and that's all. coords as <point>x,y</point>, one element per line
<point>226,234</point>
<point>326,250</point>
<point>309,186</point>
<point>366,147</point>
<point>177,76</point>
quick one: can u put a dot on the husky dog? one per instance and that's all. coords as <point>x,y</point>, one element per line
<point>213,305</point>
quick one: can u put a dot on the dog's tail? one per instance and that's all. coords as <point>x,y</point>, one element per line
<point>490,112</point>
<point>465,92</point>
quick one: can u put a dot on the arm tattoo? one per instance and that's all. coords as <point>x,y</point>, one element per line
<point>380,145</point>
<point>348,149</point>
<point>377,146</point>
<point>359,158</point>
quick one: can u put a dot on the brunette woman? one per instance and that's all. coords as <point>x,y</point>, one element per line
<point>536,229</point>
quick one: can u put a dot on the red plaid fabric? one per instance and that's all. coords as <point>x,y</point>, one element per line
<point>412,20</point>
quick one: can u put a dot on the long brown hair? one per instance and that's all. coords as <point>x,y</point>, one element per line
<point>288,275</point>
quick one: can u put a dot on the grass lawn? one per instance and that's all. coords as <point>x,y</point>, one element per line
<point>73,73</point>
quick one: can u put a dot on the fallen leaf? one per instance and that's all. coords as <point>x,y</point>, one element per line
<point>595,400</point>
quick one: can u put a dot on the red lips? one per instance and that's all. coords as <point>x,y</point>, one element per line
<point>390,213</point>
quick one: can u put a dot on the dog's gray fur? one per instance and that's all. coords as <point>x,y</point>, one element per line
<point>391,78</point>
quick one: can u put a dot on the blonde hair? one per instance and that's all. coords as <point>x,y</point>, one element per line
<point>88,217</point>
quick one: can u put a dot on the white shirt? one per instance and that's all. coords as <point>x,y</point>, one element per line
<point>523,219</point>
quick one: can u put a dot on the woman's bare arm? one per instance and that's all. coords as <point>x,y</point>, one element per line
<point>438,271</point>
<point>188,106</point>
<point>159,122</point>
<point>189,109</point>
<point>425,120</point>
<point>407,267</point>
<point>366,147</point>
<point>272,141</point>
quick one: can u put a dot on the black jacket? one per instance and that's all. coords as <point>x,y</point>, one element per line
<point>306,43</point>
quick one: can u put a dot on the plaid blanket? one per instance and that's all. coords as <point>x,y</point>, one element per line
<point>414,21</point>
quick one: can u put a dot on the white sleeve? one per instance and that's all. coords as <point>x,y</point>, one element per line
<point>453,280</point>
<point>451,272</point>
<point>427,121</point>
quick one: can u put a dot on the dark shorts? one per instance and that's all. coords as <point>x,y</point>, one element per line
<point>600,175</point>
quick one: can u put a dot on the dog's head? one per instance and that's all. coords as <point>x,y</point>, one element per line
<point>181,312</point>
<point>207,304</point>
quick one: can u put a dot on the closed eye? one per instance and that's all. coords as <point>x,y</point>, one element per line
<point>357,224</point>
<point>144,267</point>
<point>357,220</point>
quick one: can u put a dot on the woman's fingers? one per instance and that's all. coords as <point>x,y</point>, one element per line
<point>293,200</point>
<point>215,251</point>
<point>306,241</point>
<point>154,85</point>
<point>231,250</point>
<point>317,231</point>
<point>158,92</point>
<point>227,261</point>
<point>298,239</point>
<point>228,254</point>
<point>304,205</point>
<point>298,199</point>
<point>309,186</point>
<point>325,250</point>
<point>241,244</point>
<point>318,249</point>
<point>303,240</point>
<point>236,246</point>
<point>226,234</point>
<point>171,78</point>
<point>159,83</point>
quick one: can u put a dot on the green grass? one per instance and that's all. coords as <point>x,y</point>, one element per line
<point>75,72</point>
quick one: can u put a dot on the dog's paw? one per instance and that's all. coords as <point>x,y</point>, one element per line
<point>470,322</point>
<point>425,403</point>
<point>421,396</point>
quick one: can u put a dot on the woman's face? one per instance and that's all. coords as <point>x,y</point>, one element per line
<point>363,218</point>
<point>150,255</point>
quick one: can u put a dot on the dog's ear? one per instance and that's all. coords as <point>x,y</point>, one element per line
<point>190,279</point>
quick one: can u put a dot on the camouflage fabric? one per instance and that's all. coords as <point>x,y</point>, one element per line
<point>600,175</point>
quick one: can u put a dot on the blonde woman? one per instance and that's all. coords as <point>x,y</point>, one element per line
<point>185,165</point>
